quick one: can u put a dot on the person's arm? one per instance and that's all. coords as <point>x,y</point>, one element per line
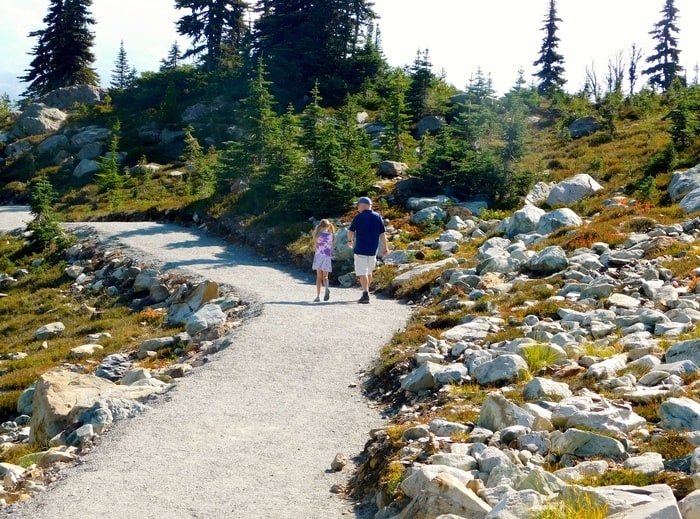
<point>385,246</point>
<point>351,236</point>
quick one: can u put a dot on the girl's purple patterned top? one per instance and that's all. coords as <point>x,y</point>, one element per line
<point>324,243</point>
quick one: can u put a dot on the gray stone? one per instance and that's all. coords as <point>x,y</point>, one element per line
<point>503,369</point>
<point>429,123</point>
<point>630,502</point>
<point>49,331</point>
<point>66,98</point>
<point>90,151</point>
<point>690,203</point>
<point>647,463</point>
<point>549,260</point>
<point>681,414</point>
<point>684,350</point>
<point>52,145</point>
<point>155,344</point>
<point>558,219</point>
<point>145,280</point>
<point>38,119</point>
<point>572,190</point>
<point>86,167</point>
<point>421,270</point>
<point>416,204</point>
<point>442,427</point>
<point>423,377</point>
<point>88,135</point>
<point>538,193</point>
<point>103,413</point>
<point>113,367</point>
<point>683,182</point>
<point>497,412</point>
<point>452,374</point>
<point>391,169</point>
<point>583,126</point>
<point>543,388</point>
<point>458,461</point>
<point>586,444</point>
<point>690,505</point>
<point>444,494</point>
<point>524,220</point>
<point>436,214</point>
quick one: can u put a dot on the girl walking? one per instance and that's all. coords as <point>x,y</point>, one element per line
<point>324,239</point>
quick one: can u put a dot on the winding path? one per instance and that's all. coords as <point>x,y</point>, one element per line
<point>252,433</point>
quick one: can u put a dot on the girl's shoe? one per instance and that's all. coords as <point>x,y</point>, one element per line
<point>317,300</point>
<point>327,295</point>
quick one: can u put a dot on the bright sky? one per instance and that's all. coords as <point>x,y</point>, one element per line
<point>499,36</point>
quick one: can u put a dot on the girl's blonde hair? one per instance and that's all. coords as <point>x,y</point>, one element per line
<point>322,226</point>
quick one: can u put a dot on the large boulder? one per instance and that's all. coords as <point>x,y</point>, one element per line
<point>524,220</point>
<point>185,302</point>
<point>583,126</point>
<point>443,494</point>
<point>391,169</point>
<point>558,219</point>
<point>405,278</point>
<point>52,144</point>
<point>86,167</point>
<point>497,412</point>
<point>38,119</point>
<point>682,414</point>
<point>683,182</point>
<point>429,123</point>
<point>586,444</point>
<point>501,370</point>
<point>88,135</point>
<point>549,260</point>
<point>67,97</point>
<point>61,396</point>
<point>690,203</point>
<point>572,190</point>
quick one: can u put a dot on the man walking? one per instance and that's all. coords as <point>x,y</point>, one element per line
<point>365,233</point>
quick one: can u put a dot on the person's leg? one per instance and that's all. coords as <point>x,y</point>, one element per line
<point>371,264</point>
<point>319,282</point>
<point>326,283</point>
<point>362,272</point>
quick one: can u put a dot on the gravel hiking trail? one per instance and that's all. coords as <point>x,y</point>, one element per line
<point>252,433</point>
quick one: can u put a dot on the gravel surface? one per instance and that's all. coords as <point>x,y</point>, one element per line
<point>252,433</point>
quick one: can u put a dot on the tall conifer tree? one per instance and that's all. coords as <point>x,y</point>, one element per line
<point>216,27</point>
<point>63,54</point>
<point>665,60</point>
<point>551,72</point>
<point>305,41</point>
<point>123,75</point>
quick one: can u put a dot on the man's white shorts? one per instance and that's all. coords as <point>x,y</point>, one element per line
<point>364,265</point>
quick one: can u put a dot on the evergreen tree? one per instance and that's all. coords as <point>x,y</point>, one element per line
<point>213,26</point>
<point>396,140</point>
<point>44,227</point>
<point>551,72</point>
<point>109,179</point>
<point>422,79</point>
<point>665,60</point>
<point>123,76</point>
<point>305,41</point>
<point>172,61</point>
<point>63,53</point>
<point>250,159</point>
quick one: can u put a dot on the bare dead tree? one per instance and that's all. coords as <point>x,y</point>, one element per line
<point>616,72</point>
<point>593,85</point>
<point>635,55</point>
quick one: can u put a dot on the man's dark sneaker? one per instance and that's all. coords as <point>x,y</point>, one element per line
<point>364,299</point>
